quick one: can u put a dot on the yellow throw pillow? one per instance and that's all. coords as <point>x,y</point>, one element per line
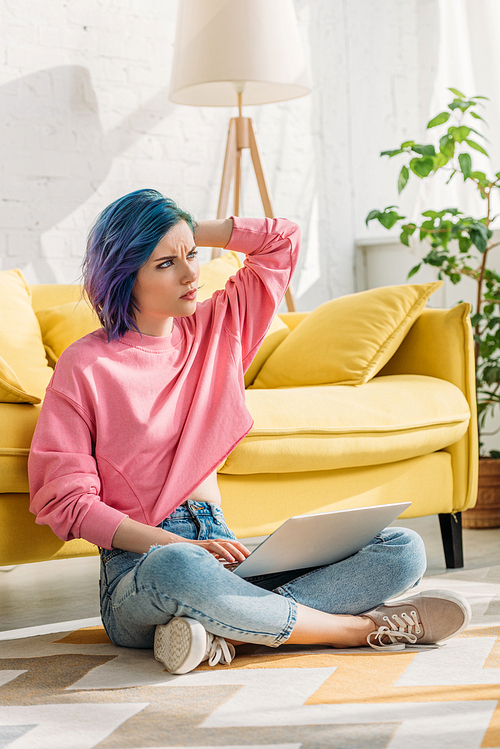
<point>63,325</point>
<point>21,345</point>
<point>348,340</point>
<point>11,390</point>
<point>213,276</point>
<point>276,334</point>
<point>215,273</point>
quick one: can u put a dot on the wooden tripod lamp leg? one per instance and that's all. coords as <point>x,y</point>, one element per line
<point>259,173</point>
<point>227,176</point>
<point>266,200</point>
<point>241,135</point>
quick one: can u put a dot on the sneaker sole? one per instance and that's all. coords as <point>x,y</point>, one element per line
<point>180,645</point>
<point>455,598</point>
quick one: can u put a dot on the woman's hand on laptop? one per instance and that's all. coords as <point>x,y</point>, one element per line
<point>140,538</point>
<point>224,549</point>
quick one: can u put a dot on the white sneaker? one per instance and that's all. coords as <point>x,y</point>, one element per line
<point>183,643</point>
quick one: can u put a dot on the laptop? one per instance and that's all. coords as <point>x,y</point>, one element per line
<point>315,540</point>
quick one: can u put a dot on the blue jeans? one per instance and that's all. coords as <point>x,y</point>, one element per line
<point>139,591</point>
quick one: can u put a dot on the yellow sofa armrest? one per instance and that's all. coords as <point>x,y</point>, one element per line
<point>440,344</point>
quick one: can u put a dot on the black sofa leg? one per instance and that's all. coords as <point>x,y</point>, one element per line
<point>451,533</point>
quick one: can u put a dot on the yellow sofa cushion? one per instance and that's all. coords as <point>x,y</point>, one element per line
<point>348,340</point>
<point>45,295</point>
<point>11,390</point>
<point>334,426</point>
<point>63,325</point>
<point>17,424</point>
<point>426,481</point>
<point>21,344</point>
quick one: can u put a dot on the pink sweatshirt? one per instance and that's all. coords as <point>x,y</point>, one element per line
<point>132,427</point>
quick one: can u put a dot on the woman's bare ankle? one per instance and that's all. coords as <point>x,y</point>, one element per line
<point>351,631</point>
<point>334,630</point>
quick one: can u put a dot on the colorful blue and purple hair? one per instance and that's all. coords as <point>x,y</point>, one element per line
<point>121,240</point>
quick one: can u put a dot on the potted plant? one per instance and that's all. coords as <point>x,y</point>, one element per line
<point>459,245</point>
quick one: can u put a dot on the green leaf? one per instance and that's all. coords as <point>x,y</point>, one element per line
<point>476,146</point>
<point>414,270</point>
<point>476,319</point>
<point>477,116</point>
<point>391,153</point>
<point>458,93</point>
<point>491,374</point>
<point>451,176</point>
<point>494,454</point>
<point>461,133</point>
<point>427,150</point>
<point>464,244</point>
<point>438,119</point>
<point>480,175</point>
<point>422,167</point>
<point>480,97</point>
<point>403,178</point>
<point>440,160</point>
<point>447,145</point>
<point>461,104</point>
<point>408,230</point>
<point>465,162</point>
<point>473,130</point>
<point>435,257</point>
<point>371,216</point>
<point>388,219</point>
<point>479,237</point>
<point>407,143</point>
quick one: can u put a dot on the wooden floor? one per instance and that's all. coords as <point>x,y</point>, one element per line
<point>60,591</point>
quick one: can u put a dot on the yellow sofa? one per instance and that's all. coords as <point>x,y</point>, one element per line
<point>404,431</point>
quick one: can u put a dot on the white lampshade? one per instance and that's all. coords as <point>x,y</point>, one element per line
<point>223,46</point>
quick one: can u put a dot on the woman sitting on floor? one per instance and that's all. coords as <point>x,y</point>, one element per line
<point>138,416</point>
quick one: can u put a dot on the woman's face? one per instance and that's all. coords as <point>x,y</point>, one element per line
<point>166,285</point>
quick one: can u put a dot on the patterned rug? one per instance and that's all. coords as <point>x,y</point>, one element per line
<point>73,689</point>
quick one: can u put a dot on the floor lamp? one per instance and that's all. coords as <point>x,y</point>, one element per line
<point>234,52</point>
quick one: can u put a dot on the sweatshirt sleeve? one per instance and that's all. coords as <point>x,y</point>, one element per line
<point>253,295</point>
<point>64,483</point>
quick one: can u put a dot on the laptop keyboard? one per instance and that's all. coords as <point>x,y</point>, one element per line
<point>231,567</point>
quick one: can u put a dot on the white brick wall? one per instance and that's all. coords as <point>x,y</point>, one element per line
<point>85,118</point>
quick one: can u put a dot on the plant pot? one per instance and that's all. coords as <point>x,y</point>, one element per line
<point>486,513</point>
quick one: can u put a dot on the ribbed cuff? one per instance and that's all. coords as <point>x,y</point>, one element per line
<point>100,523</point>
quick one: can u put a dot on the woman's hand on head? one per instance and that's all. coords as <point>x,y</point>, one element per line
<point>224,549</point>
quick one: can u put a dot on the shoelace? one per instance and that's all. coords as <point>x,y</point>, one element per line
<point>404,627</point>
<point>219,651</point>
